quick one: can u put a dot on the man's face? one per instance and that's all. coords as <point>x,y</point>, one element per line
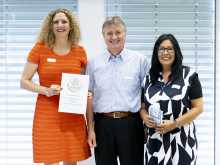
<point>114,37</point>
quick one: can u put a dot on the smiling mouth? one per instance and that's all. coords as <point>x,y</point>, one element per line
<point>115,42</point>
<point>60,30</point>
<point>165,58</point>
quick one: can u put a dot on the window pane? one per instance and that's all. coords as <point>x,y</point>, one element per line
<point>19,25</point>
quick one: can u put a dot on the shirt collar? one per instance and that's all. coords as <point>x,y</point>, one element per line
<point>122,56</point>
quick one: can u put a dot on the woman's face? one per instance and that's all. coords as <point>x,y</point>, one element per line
<point>61,25</point>
<point>166,53</point>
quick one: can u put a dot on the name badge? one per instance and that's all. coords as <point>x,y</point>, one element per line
<point>175,86</point>
<point>51,60</point>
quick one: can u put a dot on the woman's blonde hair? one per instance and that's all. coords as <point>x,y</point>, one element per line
<point>46,34</point>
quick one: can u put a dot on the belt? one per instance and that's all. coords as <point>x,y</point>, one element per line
<point>116,114</point>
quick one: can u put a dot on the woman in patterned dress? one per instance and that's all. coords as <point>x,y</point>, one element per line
<point>57,136</point>
<point>174,90</point>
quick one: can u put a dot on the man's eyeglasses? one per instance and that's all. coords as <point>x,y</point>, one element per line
<point>162,50</point>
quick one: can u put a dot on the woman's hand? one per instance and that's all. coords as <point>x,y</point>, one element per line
<point>149,122</point>
<point>53,90</point>
<point>165,126</point>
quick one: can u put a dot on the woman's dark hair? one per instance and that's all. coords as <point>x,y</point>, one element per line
<point>156,67</point>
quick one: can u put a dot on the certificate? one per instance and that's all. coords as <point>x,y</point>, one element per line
<point>73,96</point>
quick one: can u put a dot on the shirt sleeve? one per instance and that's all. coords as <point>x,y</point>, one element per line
<point>195,87</point>
<point>90,72</point>
<point>144,69</point>
<point>34,55</point>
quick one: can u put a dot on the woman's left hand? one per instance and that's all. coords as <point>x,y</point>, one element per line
<point>165,126</point>
<point>53,90</point>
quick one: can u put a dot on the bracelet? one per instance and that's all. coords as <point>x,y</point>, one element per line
<point>47,93</point>
<point>89,95</point>
<point>37,88</point>
<point>177,124</point>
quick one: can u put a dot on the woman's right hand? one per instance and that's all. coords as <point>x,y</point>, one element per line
<point>149,122</point>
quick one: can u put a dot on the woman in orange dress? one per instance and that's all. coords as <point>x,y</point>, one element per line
<point>57,136</point>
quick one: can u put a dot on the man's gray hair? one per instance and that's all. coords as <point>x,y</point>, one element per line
<point>114,20</point>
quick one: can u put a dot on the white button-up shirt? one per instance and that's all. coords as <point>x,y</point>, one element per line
<point>115,81</point>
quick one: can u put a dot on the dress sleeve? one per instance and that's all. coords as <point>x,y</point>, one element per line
<point>195,87</point>
<point>83,58</point>
<point>142,95</point>
<point>34,55</point>
<point>144,90</point>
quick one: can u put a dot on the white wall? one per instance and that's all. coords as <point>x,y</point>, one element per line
<point>91,17</point>
<point>217,126</point>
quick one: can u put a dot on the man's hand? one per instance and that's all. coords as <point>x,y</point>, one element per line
<point>91,138</point>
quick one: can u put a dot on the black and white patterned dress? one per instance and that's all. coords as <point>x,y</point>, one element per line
<point>178,147</point>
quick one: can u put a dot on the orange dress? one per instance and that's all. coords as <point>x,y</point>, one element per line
<point>57,136</point>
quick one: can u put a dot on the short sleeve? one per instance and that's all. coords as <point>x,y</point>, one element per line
<point>195,87</point>
<point>144,90</point>
<point>144,68</point>
<point>142,95</point>
<point>90,72</point>
<point>83,58</point>
<point>34,55</point>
